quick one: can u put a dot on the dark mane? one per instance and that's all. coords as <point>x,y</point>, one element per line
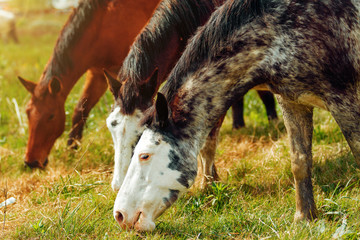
<point>181,16</point>
<point>210,39</point>
<point>71,32</point>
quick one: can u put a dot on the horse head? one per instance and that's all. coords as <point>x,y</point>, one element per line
<point>46,116</point>
<point>124,121</point>
<point>161,169</point>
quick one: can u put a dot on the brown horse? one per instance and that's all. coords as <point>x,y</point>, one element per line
<point>97,35</point>
<point>8,26</point>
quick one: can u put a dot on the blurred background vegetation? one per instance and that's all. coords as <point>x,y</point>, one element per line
<point>30,6</point>
<point>25,6</point>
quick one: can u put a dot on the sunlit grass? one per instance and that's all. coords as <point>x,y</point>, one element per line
<point>255,198</point>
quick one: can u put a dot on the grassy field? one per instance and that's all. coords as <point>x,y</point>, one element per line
<point>72,198</point>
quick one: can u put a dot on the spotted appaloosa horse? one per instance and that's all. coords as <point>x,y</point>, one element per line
<point>304,51</point>
<point>97,35</point>
<point>8,26</point>
<point>159,46</point>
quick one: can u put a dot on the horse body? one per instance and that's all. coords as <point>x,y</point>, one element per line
<point>89,41</point>
<point>302,50</point>
<point>8,26</point>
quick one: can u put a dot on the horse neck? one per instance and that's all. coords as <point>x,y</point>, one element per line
<point>72,53</point>
<point>103,42</point>
<point>207,93</point>
<point>68,77</point>
<point>161,43</point>
<point>197,107</point>
<point>138,97</point>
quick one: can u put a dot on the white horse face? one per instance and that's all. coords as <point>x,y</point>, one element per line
<point>158,174</point>
<point>125,131</point>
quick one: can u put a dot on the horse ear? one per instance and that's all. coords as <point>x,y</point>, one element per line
<point>54,86</point>
<point>113,83</point>
<point>30,86</point>
<point>149,88</point>
<point>162,110</point>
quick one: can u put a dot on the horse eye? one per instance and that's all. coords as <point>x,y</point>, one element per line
<point>51,116</point>
<point>144,157</point>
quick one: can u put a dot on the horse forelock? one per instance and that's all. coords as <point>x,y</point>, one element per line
<point>171,131</point>
<point>127,99</point>
<point>148,117</point>
<point>72,31</point>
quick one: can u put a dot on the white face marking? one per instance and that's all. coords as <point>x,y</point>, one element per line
<point>148,184</point>
<point>125,131</point>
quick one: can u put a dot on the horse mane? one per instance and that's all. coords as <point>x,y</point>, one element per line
<point>211,40</point>
<point>181,16</point>
<point>71,32</point>
<point>209,43</point>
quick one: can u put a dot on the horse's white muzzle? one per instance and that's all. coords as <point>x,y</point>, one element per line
<point>139,221</point>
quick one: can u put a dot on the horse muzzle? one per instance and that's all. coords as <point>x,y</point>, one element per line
<point>139,222</point>
<point>37,164</point>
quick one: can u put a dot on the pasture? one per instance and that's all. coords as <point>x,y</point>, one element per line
<point>72,198</point>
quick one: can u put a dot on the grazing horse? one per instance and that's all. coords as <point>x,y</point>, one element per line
<point>97,35</point>
<point>304,51</point>
<point>156,49</point>
<point>8,26</point>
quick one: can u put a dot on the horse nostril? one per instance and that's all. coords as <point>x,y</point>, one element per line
<point>119,217</point>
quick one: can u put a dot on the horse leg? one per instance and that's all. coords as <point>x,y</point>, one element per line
<point>207,156</point>
<point>347,115</point>
<point>95,86</point>
<point>299,125</point>
<point>12,33</point>
<point>269,101</point>
<point>238,113</point>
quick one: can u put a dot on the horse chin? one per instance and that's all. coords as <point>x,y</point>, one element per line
<point>37,164</point>
<point>116,183</point>
<point>146,222</point>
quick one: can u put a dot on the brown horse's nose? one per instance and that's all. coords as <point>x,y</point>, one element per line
<point>37,164</point>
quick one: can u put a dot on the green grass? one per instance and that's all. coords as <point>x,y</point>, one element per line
<point>255,199</point>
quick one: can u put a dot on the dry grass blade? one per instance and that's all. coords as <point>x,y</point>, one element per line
<point>5,194</point>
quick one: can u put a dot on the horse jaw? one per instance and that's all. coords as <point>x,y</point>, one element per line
<point>125,131</point>
<point>151,184</point>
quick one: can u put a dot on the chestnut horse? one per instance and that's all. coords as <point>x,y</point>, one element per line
<point>305,51</point>
<point>97,35</point>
